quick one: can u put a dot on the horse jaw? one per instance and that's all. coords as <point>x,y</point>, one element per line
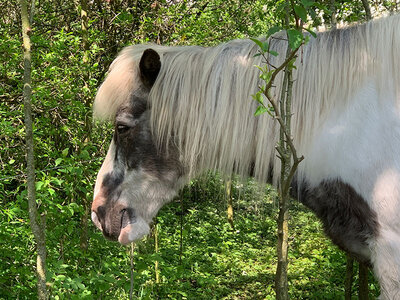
<point>134,231</point>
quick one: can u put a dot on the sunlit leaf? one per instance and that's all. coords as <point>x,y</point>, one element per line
<point>260,110</point>
<point>258,42</point>
<point>274,53</point>
<point>295,38</point>
<point>273,30</point>
<point>307,3</point>
<point>301,12</point>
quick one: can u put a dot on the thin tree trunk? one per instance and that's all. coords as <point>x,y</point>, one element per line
<point>32,12</point>
<point>84,21</point>
<point>181,233</point>
<point>156,268</point>
<point>281,280</point>
<point>367,9</point>
<point>349,277</point>
<point>363,282</point>
<point>84,28</point>
<point>131,254</point>
<point>289,163</point>
<point>37,226</point>
<point>85,60</point>
<point>84,244</point>
<point>228,189</point>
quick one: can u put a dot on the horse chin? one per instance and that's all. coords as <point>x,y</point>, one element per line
<point>133,231</point>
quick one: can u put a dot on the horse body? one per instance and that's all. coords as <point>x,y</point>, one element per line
<point>179,111</point>
<point>359,147</point>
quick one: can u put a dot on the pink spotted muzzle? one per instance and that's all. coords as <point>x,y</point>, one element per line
<point>119,223</point>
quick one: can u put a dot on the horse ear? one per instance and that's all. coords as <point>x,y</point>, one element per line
<point>149,66</point>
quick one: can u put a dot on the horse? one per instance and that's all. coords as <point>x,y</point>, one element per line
<point>181,110</point>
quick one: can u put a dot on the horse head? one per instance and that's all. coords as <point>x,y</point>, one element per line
<point>136,178</point>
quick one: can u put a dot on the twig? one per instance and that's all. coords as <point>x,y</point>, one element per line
<point>131,252</point>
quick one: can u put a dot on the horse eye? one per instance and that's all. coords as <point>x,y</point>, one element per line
<point>122,128</point>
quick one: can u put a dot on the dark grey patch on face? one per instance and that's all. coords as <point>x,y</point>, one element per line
<point>111,181</point>
<point>135,148</point>
<point>346,217</point>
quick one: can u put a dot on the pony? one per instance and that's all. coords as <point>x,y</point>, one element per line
<point>179,111</point>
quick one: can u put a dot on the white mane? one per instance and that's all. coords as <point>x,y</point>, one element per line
<point>202,96</point>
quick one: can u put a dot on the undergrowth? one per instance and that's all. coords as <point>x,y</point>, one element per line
<point>214,262</point>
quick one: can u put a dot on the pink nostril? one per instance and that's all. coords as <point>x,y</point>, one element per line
<point>96,221</point>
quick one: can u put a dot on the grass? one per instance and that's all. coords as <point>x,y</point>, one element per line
<point>215,261</point>
<point>221,263</point>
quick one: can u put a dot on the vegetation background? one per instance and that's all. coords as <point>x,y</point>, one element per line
<point>213,261</point>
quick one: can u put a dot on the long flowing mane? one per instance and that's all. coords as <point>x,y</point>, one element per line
<point>202,100</point>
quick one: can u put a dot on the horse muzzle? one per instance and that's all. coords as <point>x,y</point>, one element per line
<point>118,223</point>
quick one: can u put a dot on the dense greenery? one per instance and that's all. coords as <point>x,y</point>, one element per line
<point>216,262</point>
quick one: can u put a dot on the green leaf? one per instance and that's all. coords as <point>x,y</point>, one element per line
<point>51,191</point>
<point>307,3</point>
<point>265,46</point>
<point>321,6</point>
<point>311,32</point>
<point>181,293</point>
<point>258,67</point>
<point>70,229</point>
<point>39,185</point>
<point>274,53</point>
<point>291,64</point>
<point>301,12</point>
<point>259,97</point>
<point>81,285</point>
<point>273,30</point>
<point>65,152</point>
<point>295,38</point>
<point>57,181</point>
<point>266,76</point>
<point>260,110</point>
<point>58,161</point>
<point>85,154</point>
<point>71,210</point>
<point>258,42</point>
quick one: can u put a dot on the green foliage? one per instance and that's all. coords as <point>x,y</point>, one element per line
<point>295,38</point>
<point>217,263</point>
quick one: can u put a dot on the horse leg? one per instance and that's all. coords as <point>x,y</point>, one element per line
<point>347,218</point>
<point>385,258</point>
<point>385,246</point>
<point>368,234</point>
